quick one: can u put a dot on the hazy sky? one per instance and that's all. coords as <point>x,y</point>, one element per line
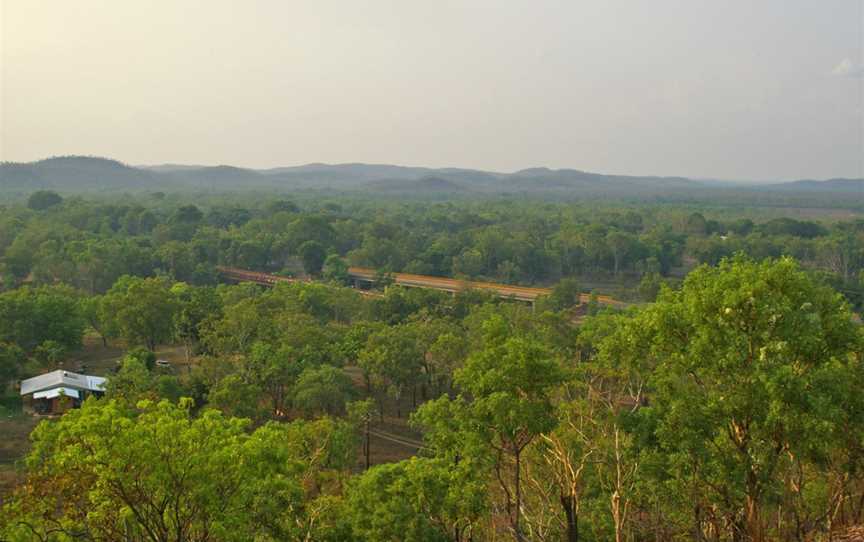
<point>750,89</point>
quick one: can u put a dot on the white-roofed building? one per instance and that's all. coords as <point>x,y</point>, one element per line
<point>58,391</point>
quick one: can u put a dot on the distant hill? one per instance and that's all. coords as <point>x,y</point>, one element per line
<point>171,167</point>
<point>854,186</point>
<point>84,173</point>
<point>426,185</point>
<point>582,181</point>
<point>369,172</point>
<point>224,177</point>
<point>73,173</point>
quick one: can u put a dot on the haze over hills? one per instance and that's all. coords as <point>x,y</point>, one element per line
<point>83,173</point>
<point>851,186</point>
<point>425,185</point>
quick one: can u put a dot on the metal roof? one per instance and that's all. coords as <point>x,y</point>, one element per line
<point>61,378</point>
<point>57,392</point>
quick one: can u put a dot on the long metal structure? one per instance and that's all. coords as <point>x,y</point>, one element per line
<point>409,280</point>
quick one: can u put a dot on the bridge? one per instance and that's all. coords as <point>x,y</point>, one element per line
<point>267,279</point>
<point>409,280</point>
<point>362,275</point>
<point>244,275</point>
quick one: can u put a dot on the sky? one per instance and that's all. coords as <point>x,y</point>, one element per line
<point>733,89</point>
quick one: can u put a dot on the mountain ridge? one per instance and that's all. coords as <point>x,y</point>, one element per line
<point>75,172</point>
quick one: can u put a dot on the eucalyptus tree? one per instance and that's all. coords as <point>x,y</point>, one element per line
<point>111,471</point>
<point>143,310</point>
<point>745,381</point>
<point>509,384</point>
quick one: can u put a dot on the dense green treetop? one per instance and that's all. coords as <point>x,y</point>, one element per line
<point>112,471</point>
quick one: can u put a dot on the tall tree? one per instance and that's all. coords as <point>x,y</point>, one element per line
<point>312,254</point>
<point>746,366</point>
<point>143,310</point>
<point>511,381</point>
<point>323,390</point>
<point>31,316</point>
<point>391,362</point>
<point>336,269</point>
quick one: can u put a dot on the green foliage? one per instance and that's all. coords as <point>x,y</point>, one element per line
<point>131,382</point>
<point>445,354</point>
<point>390,361</point>
<point>109,471</point>
<point>335,269</point>
<point>93,312</point>
<point>326,445</point>
<point>696,224</point>
<point>273,370</point>
<point>143,310</point>
<point>359,412</point>
<point>650,286</point>
<point>421,500</point>
<point>728,409</point>
<point>89,244</point>
<point>564,295</point>
<point>282,206</point>
<point>511,381</point>
<point>310,228</point>
<point>31,316</point>
<point>790,226</point>
<point>236,398</point>
<point>748,370</point>
<point>49,353</point>
<point>188,214</point>
<point>383,278</point>
<point>196,305</point>
<point>312,253</point>
<point>11,363</point>
<point>322,390</point>
<point>145,357</point>
<point>43,199</point>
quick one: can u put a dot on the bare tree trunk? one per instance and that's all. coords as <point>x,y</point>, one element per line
<point>619,509</point>
<point>569,505</point>
<point>697,523</point>
<point>616,515</point>
<point>366,441</point>
<point>753,520</point>
<point>380,398</point>
<point>738,530</point>
<point>518,508</point>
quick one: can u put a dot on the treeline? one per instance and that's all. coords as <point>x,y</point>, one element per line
<point>729,410</point>
<point>91,244</point>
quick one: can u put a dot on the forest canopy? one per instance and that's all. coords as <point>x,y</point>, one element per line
<point>722,401</point>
